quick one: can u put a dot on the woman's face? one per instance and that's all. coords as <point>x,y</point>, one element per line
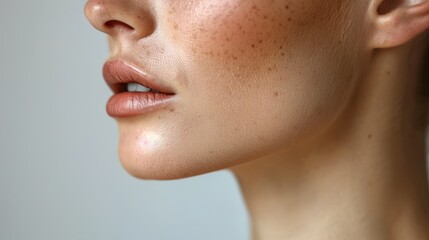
<point>249,77</point>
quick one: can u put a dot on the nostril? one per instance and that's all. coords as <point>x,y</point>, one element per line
<point>388,6</point>
<point>115,24</point>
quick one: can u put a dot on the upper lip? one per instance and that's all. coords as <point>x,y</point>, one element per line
<point>118,73</point>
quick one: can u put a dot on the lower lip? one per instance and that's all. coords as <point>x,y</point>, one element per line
<point>132,104</point>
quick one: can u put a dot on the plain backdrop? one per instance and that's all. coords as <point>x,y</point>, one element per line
<point>60,177</point>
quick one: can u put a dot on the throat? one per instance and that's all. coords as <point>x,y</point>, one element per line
<point>337,194</point>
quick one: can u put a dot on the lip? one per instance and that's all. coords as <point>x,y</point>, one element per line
<point>124,104</point>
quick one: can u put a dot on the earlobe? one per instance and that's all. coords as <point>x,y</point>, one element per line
<point>398,22</point>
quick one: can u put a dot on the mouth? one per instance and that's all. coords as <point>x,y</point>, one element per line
<point>134,91</point>
<point>124,77</point>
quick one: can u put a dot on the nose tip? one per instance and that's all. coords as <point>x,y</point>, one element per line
<point>96,13</point>
<point>118,17</point>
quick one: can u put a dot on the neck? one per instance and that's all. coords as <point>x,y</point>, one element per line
<point>364,178</point>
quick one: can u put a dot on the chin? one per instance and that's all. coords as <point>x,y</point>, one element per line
<point>150,150</point>
<point>163,165</point>
<point>151,166</point>
<point>146,169</point>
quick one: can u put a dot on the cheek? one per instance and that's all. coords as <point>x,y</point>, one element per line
<point>245,52</point>
<point>241,32</point>
<point>232,31</point>
<point>255,81</point>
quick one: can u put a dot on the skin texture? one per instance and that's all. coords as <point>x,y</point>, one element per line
<point>234,66</point>
<point>312,104</point>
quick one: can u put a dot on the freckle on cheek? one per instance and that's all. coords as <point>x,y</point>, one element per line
<point>234,35</point>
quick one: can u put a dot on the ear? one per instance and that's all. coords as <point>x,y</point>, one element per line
<point>395,22</point>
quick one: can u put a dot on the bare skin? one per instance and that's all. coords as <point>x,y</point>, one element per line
<point>312,104</point>
<point>363,179</point>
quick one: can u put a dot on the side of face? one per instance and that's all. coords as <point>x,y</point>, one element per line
<point>251,77</point>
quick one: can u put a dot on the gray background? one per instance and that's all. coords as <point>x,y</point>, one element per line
<point>59,173</point>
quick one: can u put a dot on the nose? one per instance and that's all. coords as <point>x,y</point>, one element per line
<point>121,17</point>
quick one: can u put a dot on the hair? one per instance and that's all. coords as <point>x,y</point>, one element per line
<point>424,85</point>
